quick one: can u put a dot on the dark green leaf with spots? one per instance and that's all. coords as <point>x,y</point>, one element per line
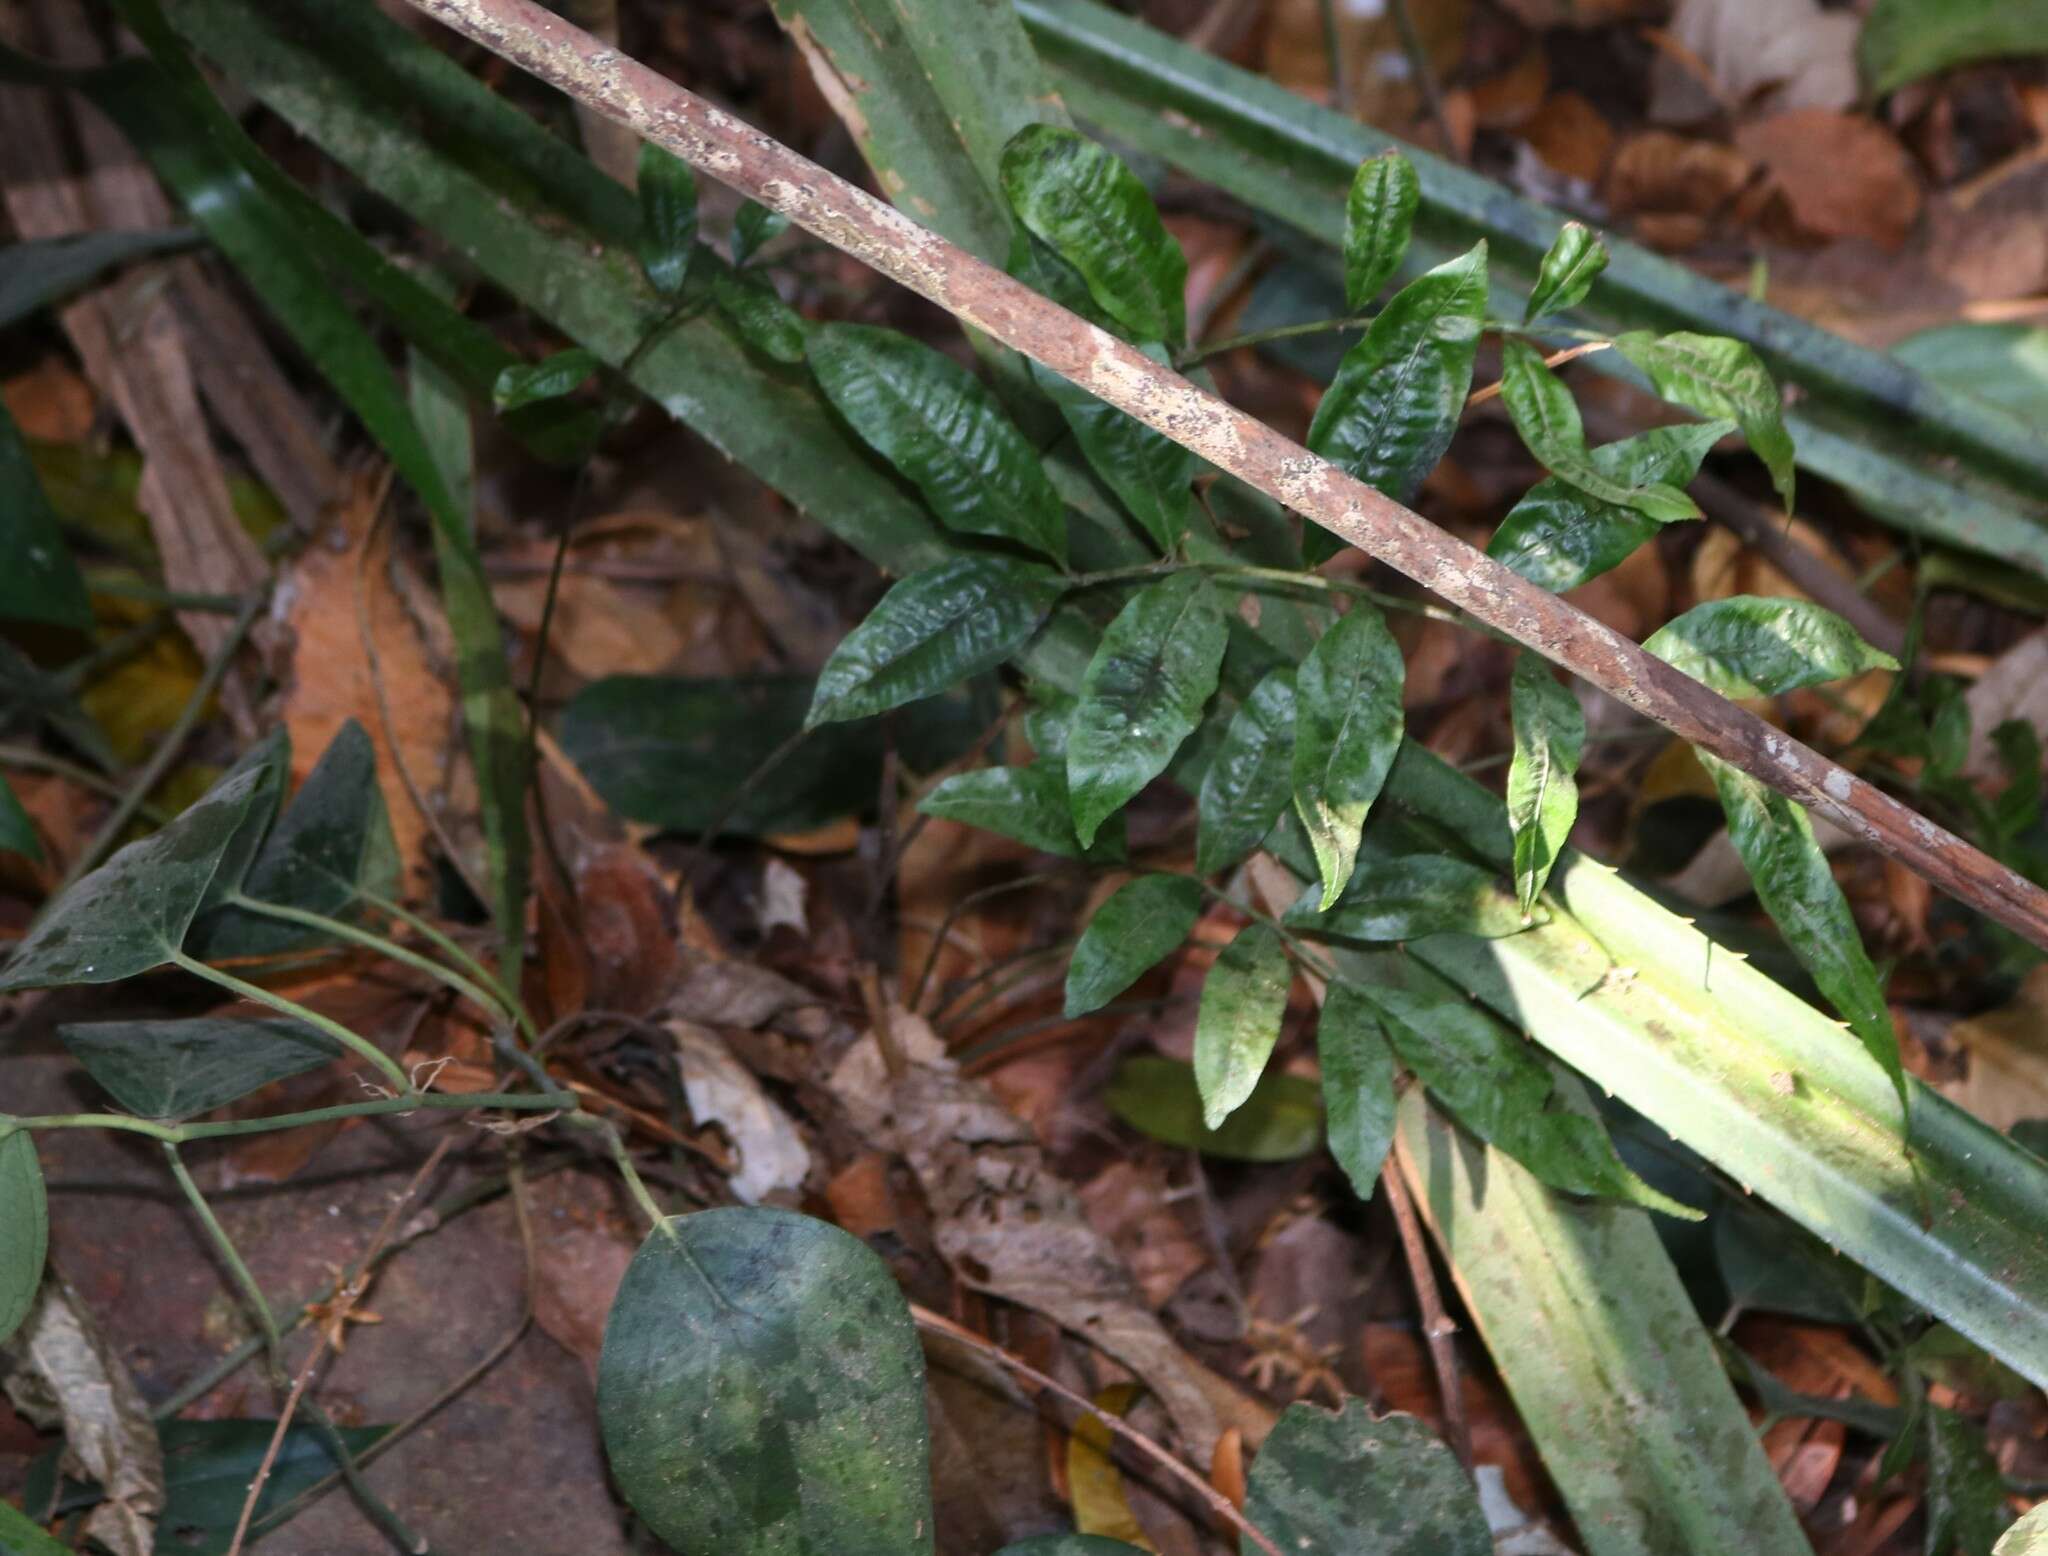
<point>1030,804</point>
<point>1347,727</point>
<point>1143,922</point>
<point>1148,471</point>
<point>1547,417</point>
<point>1281,1121</point>
<point>1543,789</point>
<point>179,1069</point>
<point>1379,218</point>
<point>1569,269</point>
<point>668,218</point>
<point>759,316</point>
<point>1250,777</point>
<point>1243,1001</point>
<point>1751,646</point>
<point>1358,1084</point>
<point>1716,376</point>
<point>24,1227</point>
<point>1409,896</point>
<point>1341,1483</point>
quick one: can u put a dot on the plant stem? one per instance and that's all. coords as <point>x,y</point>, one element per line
<point>252,1294</point>
<point>1354,321</point>
<point>657,1218</point>
<point>1333,51</point>
<point>447,946</point>
<point>411,1101</point>
<point>360,1046</point>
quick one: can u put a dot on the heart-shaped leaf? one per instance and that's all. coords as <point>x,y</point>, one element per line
<point>1030,804</point>
<point>1141,924</point>
<point>1574,262</point>
<point>1716,376</point>
<point>1750,646</point>
<point>1143,694</point>
<point>1337,1483</point>
<point>932,419</point>
<point>1379,217</point>
<point>1347,727</point>
<point>1409,896</point>
<point>1547,417</point>
<point>933,629</point>
<point>179,1069</point>
<point>1243,1001</point>
<point>761,1391</point>
<point>24,1227</point>
<point>1358,1084</point>
<point>668,218</point>
<point>1281,1121</point>
<point>1250,777</point>
<point>1543,793</point>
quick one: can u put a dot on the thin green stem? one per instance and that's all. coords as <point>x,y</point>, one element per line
<point>1303,952</point>
<point>447,946</point>
<point>657,1218</point>
<point>362,1047</point>
<point>1333,52</point>
<point>412,1101</point>
<point>1355,321</point>
<point>252,1294</point>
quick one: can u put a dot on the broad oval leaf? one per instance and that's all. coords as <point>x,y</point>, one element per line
<point>1547,417</point>
<point>933,629</point>
<point>24,1227</point>
<point>529,383</point>
<point>1092,210</point>
<point>1409,896</point>
<point>178,1069</point>
<point>38,579</point>
<point>1243,1001</point>
<point>1719,377</point>
<point>668,218</point>
<point>761,1391</point>
<point>1543,790</point>
<point>1773,836</point>
<point>1753,646</point>
<point>1142,694</point>
<point>1030,804</point>
<point>131,914</point>
<point>1141,925</point>
<point>1250,777</point>
<point>1394,405</point>
<point>1337,1483</point>
<point>935,422</point>
<point>1379,218</point>
<point>1358,1084</point>
<point>1148,471</point>
<point>1347,727</point>
<point>1569,269</point>
<point>17,832</point>
<point>1281,1121</point>
<point>1557,537</point>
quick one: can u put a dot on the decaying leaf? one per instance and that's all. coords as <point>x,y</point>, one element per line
<point>722,1091</point>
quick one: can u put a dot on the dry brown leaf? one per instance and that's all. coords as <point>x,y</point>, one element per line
<point>2015,687</point>
<point>582,1247</point>
<point>2007,1079</point>
<point>1773,55</point>
<point>1571,136</point>
<point>772,1157</point>
<point>1841,175</point>
<point>1542,15</point>
<point>1132,1206</point>
<point>1508,100</point>
<point>50,402</point>
<point>1662,173</point>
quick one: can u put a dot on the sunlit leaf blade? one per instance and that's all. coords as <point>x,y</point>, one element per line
<point>1379,217</point>
<point>1602,1350</point>
<point>1358,1084</point>
<point>131,913</point>
<point>1493,1083</point>
<point>1903,40</point>
<point>1568,272</point>
<point>1328,1482</point>
<point>1148,471</point>
<point>761,1391</point>
<point>932,419</point>
<point>20,1536</point>
<point>1966,1492</point>
<point>17,832</point>
<point>668,218</point>
<point>1139,926</point>
<point>38,579</point>
<point>1558,537</point>
<point>1774,838</point>
<point>754,225</point>
<point>1391,411</point>
<point>1755,646</point>
<point>1143,694</point>
<point>931,630</point>
<point>529,383</point>
<point>24,1228</point>
<point>180,1069</point>
<point>758,314</point>
<point>2027,1537</point>
<point>1281,1121</point>
<point>1091,209</point>
<point>1543,789</point>
<point>1030,804</point>
<point>1717,377</point>
<point>1347,727</point>
<point>1546,416</point>
<point>1250,777</point>
<point>1407,896</point>
<point>1243,1001</point>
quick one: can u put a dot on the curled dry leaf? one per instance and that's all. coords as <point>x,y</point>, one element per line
<point>1841,175</point>
<point>1660,173</point>
<point>722,1091</point>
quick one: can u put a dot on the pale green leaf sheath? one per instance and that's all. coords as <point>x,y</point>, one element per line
<point>1243,1001</point>
<point>1568,271</point>
<point>1347,729</point>
<point>1543,791</point>
<point>1548,420</point>
<point>1142,694</point>
<point>1379,217</point>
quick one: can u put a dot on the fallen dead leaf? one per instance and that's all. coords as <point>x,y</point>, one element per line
<point>51,402</point>
<point>1130,1204</point>
<point>1571,136</point>
<point>772,1156</point>
<point>1771,55</point>
<point>1659,173</point>
<point>1841,175</point>
<point>2007,1080</point>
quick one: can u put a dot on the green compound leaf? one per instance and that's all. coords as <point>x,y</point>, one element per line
<point>1148,471</point>
<point>24,1229</point>
<point>1243,1001</point>
<point>1030,804</point>
<point>1717,377</point>
<point>1546,416</point>
<point>1493,1083</point>
<point>1093,211</point>
<point>1568,272</point>
<point>1409,896</point>
<point>1347,727</point>
<point>1379,218</point>
<point>1752,646</point>
<point>761,1391</point>
<point>1557,537</point>
<point>1333,1483</point>
<point>668,218</point>
<point>1773,836</point>
<point>176,1070</point>
<point>1281,1121</point>
<point>1142,924</point>
<point>17,832</point>
<point>38,579</point>
<point>1358,1084</point>
<point>1250,777</point>
<point>1543,793</point>
<point>933,629</point>
<point>1143,694</point>
<point>935,422</point>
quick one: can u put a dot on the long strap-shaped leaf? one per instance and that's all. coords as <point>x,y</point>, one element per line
<point>830,208</point>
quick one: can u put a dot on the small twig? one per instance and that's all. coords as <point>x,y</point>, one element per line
<point>1437,1327</point>
<point>1425,76</point>
<point>882,1016</point>
<point>1217,1503</point>
<point>1556,359</point>
<point>1333,52</point>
